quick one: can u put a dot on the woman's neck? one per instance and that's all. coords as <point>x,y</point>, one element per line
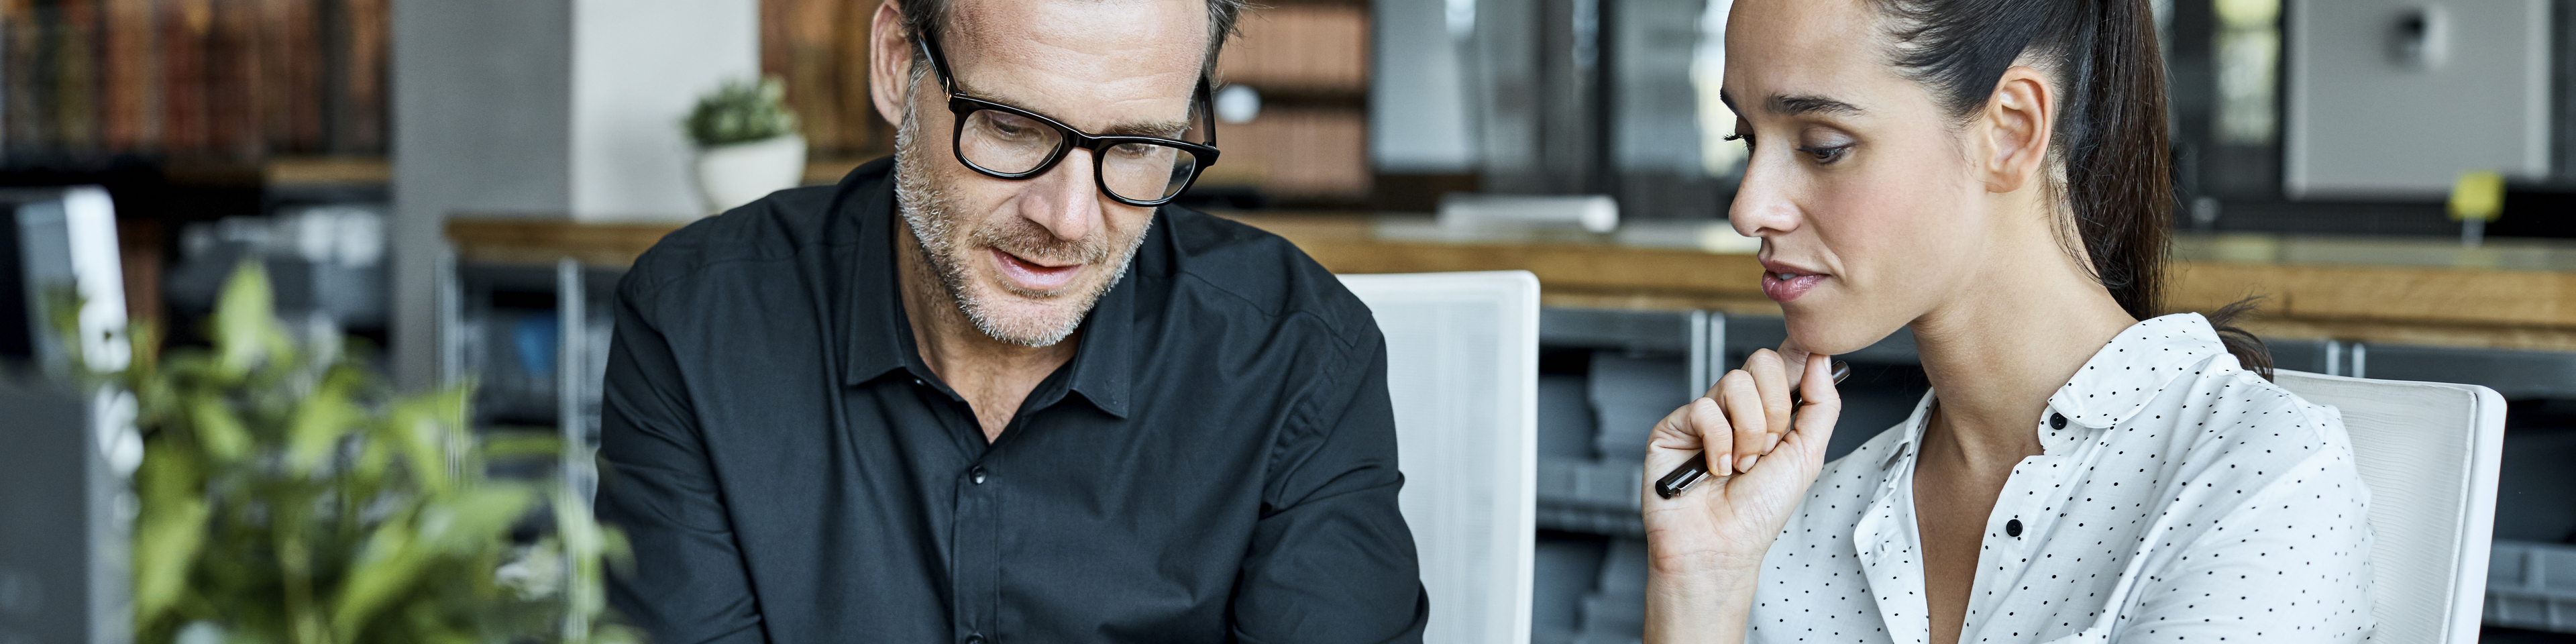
<point>1995,358</point>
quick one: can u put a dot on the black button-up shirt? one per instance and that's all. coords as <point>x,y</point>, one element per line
<point>1216,463</point>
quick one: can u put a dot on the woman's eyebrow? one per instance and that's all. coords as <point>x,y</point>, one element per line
<point>1801,105</point>
<point>1795,105</point>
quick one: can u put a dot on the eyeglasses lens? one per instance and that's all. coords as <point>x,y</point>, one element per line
<point>1145,171</point>
<point>1007,143</point>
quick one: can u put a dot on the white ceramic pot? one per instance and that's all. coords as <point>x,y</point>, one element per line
<point>738,173</point>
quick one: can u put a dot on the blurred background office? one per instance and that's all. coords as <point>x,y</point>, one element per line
<point>458,184</point>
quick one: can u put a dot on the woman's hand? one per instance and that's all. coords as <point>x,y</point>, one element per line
<point>1704,547</point>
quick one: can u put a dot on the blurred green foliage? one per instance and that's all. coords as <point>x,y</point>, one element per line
<point>741,112</point>
<point>286,497</point>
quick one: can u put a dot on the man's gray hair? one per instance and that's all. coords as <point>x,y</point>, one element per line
<point>930,16</point>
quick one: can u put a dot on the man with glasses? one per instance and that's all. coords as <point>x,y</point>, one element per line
<point>992,389</point>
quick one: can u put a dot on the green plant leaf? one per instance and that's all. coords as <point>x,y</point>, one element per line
<point>498,445</point>
<point>469,520</point>
<point>219,430</point>
<point>388,564</point>
<point>319,420</point>
<point>245,321</point>
<point>169,530</point>
<point>414,427</point>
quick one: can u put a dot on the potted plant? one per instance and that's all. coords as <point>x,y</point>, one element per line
<point>747,142</point>
<point>284,497</point>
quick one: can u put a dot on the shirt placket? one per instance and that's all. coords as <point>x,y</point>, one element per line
<point>2021,511</point>
<point>1889,556</point>
<point>975,573</point>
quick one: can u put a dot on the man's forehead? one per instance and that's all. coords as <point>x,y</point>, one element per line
<point>1092,63</point>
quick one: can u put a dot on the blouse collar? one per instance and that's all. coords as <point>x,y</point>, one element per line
<point>2114,385</point>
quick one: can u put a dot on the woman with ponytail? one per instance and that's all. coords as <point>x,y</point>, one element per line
<point>1992,174</point>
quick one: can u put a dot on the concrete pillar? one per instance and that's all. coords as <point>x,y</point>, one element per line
<point>543,108</point>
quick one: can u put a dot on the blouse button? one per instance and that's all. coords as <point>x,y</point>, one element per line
<point>2057,421</point>
<point>976,474</point>
<point>2012,528</point>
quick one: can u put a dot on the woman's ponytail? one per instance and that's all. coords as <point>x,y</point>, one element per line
<point>2112,133</point>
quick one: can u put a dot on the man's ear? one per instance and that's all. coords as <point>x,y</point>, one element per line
<point>2014,130</point>
<point>889,63</point>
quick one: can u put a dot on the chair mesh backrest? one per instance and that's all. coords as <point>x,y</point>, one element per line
<point>2428,451</point>
<point>1462,369</point>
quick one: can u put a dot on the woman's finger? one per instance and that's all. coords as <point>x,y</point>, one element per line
<point>1717,436</point>
<point>1820,406</point>
<point>1772,382</point>
<point>1743,403</point>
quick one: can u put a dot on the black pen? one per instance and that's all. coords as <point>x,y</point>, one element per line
<point>1681,479</point>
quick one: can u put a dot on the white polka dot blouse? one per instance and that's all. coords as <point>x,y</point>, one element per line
<point>2179,498</point>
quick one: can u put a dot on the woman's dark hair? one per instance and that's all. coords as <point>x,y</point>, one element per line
<point>2110,135</point>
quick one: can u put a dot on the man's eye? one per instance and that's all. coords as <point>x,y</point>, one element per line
<point>1010,126</point>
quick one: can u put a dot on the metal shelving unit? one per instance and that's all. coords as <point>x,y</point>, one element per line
<point>534,338</point>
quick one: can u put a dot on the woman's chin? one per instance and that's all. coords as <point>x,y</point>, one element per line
<point>1816,335</point>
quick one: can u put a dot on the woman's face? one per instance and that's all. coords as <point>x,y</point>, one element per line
<point>1870,211</point>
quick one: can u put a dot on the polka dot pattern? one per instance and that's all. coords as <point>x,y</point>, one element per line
<point>2178,498</point>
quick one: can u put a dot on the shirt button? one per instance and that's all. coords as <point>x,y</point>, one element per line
<point>2057,421</point>
<point>2012,528</point>
<point>977,638</point>
<point>976,474</point>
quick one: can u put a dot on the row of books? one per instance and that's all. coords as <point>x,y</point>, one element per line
<point>1300,154</point>
<point>238,80</point>
<point>1303,48</point>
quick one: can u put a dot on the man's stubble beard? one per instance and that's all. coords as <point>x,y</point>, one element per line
<point>930,210</point>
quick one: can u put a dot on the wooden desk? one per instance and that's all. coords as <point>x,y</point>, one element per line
<point>2516,295</point>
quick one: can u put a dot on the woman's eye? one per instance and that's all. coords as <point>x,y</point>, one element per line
<point>1825,154</point>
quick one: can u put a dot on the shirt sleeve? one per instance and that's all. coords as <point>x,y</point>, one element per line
<point>688,584</point>
<point>2292,565</point>
<point>1331,558</point>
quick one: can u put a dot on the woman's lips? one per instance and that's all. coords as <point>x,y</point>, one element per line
<point>1783,287</point>
<point>1032,276</point>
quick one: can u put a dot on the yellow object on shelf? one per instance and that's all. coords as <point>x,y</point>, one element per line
<point>2479,195</point>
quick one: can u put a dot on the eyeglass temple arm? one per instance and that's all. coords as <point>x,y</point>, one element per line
<point>1207,109</point>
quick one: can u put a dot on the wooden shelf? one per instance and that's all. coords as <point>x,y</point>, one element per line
<point>2441,306</point>
<point>534,240</point>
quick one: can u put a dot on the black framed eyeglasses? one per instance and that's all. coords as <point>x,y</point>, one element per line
<point>1006,142</point>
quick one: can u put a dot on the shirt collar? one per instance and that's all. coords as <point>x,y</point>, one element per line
<point>2114,384</point>
<point>2130,371</point>
<point>880,339</point>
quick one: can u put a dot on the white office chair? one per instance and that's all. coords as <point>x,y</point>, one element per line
<point>2429,452</point>
<point>1462,367</point>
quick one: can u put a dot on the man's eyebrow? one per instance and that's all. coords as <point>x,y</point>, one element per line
<point>1159,129</point>
<point>1801,105</point>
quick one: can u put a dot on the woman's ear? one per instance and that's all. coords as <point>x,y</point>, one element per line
<point>889,63</point>
<point>2015,128</point>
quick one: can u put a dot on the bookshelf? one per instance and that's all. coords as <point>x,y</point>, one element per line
<point>1309,61</point>
<point>222,80</point>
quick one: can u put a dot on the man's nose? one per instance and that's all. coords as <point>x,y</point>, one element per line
<point>1065,200</point>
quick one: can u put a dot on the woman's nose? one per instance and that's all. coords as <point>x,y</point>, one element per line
<point>1762,201</point>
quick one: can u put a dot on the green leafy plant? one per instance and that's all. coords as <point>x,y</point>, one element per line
<point>285,497</point>
<point>741,112</point>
